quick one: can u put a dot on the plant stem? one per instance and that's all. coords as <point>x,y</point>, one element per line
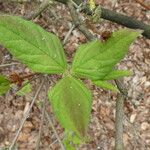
<point>119,122</point>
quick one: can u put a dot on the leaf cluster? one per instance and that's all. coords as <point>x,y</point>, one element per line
<point>43,52</point>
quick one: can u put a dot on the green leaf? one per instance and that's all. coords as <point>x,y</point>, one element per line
<point>39,50</point>
<point>69,146</point>
<point>71,102</point>
<point>97,59</point>
<point>106,85</point>
<point>117,74</point>
<point>4,85</point>
<point>71,141</point>
<point>25,89</point>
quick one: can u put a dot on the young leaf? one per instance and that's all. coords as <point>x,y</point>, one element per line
<point>105,85</point>
<point>25,89</point>
<point>4,85</point>
<point>71,102</point>
<point>117,74</point>
<point>39,50</point>
<point>96,59</point>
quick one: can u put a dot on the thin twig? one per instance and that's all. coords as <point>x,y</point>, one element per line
<point>41,125</point>
<point>147,7</point>
<point>52,144</point>
<point>78,9</point>
<point>119,18</point>
<point>26,116</point>
<point>53,13</point>
<point>136,134</point>
<point>77,22</point>
<point>54,130</point>
<point>113,16</point>
<point>7,65</point>
<point>68,34</point>
<point>20,1</point>
<point>38,11</point>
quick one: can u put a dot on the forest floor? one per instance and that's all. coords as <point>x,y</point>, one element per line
<point>56,19</point>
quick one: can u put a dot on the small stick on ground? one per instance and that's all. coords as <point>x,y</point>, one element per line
<point>20,1</point>
<point>68,34</point>
<point>41,125</point>
<point>147,7</point>
<point>54,130</point>
<point>50,146</point>
<point>26,116</point>
<point>136,134</point>
<point>41,8</point>
<point>7,65</point>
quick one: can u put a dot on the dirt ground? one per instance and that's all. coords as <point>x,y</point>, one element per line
<point>56,19</point>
